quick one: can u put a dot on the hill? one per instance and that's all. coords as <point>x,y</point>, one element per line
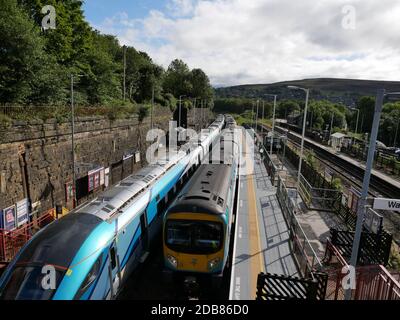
<point>346,91</point>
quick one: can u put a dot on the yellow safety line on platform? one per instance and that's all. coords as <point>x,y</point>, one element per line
<point>256,256</point>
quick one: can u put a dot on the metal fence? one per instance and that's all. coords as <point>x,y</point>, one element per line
<point>280,287</point>
<point>372,282</point>
<point>12,241</point>
<point>320,199</point>
<point>64,112</point>
<point>305,256</point>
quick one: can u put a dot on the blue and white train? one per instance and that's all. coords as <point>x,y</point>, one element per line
<point>90,253</point>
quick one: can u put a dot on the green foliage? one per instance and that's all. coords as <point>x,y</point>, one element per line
<point>337,184</point>
<point>170,101</point>
<point>394,258</point>
<point>233,105</point>
<point>177,79</point>
<point>5,121</point>
<point>287,107</point>
<point>36,65</point>
<point>26,71</point>
<point>320,115</point>
<point>366,105</point>
<point>310,158</point>
<point>181,81</point>
<point>143,113</point>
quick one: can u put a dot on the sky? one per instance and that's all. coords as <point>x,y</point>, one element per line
<point>260,41</point>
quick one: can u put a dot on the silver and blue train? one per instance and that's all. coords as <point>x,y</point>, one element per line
<point>89,254</point>
<point>197,226</point>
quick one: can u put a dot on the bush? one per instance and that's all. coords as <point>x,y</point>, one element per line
<point>143,113</point>
<point>5,121</point>
<point>337,184</point>
<point>170,101</point>
<point>394,259</point>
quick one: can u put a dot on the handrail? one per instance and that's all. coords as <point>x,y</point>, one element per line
<point>293,216</point>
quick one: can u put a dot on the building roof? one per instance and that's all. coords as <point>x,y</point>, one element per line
<point>338,135</point>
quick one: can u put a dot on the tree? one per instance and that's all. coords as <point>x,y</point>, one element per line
<point>101,80</point>
<point>201,87</point>
<point>25,69</point>
<point>286,107</point>
<point>367,107</point>
<point>177,79</point>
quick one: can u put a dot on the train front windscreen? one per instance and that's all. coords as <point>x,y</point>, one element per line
<point>194,237</point>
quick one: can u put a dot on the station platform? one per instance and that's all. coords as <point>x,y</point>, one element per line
<point>261,232</point>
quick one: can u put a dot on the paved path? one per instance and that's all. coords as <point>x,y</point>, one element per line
<point>261,240</point>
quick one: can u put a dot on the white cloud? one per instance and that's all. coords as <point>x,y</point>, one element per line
<point>180,8</point>
<point>261,41</point>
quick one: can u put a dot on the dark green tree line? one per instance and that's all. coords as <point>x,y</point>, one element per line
<point>36,64</point>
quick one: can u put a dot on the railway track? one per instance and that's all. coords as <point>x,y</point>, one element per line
<point>379,186</point>
<point>354,175</point>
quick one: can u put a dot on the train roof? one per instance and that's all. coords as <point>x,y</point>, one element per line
<point>206,192</point>
<point>106,205</point>
<point>67,233</point>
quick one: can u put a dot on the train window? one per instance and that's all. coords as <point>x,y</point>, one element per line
<point>90,278</point>
<point>24,283</point>
<point>113,258</point>
<point>196,237</point>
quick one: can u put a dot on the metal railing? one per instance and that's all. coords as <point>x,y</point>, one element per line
<point>372,282</point>
<point>305,256</point>
<point>317,198</point>
<point>12,241</point>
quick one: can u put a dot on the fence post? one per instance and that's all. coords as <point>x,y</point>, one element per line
<point>260,285</point>
<point>312,290</point>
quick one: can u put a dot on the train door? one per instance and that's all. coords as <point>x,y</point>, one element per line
<point>114,270</point>
<point>144,236</point>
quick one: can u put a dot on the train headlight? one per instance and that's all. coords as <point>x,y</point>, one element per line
<point>213,263</point>
<point>172,260</point>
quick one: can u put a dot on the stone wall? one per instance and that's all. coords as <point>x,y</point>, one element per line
<point>36,157</point>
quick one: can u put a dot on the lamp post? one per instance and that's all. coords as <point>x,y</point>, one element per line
<point>358,115</point>
<point>330,129</point>
<point>252,115</point>
<point>307,91</point>
<point>262,126</point>
<point>124,73</point>
<point>152,107</point>
<point>258,102</point>
<point>273,121</point>
<point>180,105</point>
<point>73,138</point>
<point>395,136</point>
<point>367,175</point>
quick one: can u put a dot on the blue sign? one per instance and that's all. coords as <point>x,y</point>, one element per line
<point>1,219</point>
<point>9,220</point>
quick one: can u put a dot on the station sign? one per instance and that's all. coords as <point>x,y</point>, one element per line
<point>137,157</point>
<point>9,221</point>
<point>373,221</point>
<point>387,204</point>
<point>94,179</point>
<point>22,212</point>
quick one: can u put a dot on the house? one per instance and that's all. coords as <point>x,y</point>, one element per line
<point>336,140</point>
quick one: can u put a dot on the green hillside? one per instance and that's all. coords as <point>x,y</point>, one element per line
<point>346,91</point>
